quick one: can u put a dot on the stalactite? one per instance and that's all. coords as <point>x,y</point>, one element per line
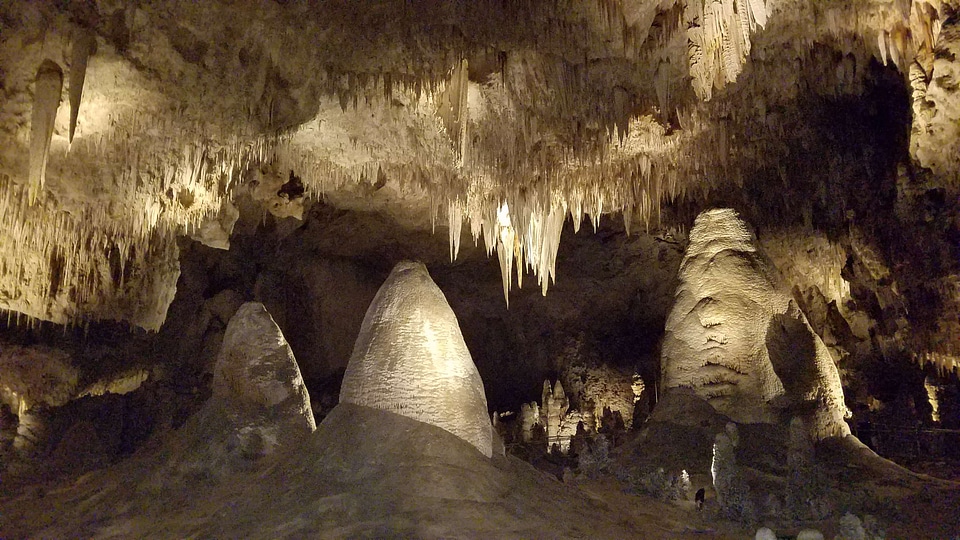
<point>882,45</point>
<point>84,46</point>
<point>455,217</point>
<point>46,101</point>
<point>718,40</point>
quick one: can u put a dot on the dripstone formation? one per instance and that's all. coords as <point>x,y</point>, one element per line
<point>410,359</point>
<point>259,407</point>
<point>740,342</point>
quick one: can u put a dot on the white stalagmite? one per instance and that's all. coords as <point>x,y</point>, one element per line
<point>410,359</point>
<point>46,101</point>
<point>740,342</point>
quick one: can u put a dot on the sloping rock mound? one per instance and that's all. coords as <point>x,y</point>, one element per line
<point>364,473</point>
<point>410,359</point>
<point>740,342</point>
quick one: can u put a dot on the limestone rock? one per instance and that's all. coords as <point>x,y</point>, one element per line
<point>935,129</point>
<point>48,85</point>
<point>591,385</point>
<point>410,359</point>
<point>216,229</point>
<point>555,407</point>
<point>36,376</point>
<point>850,528</point>
<point>739,341</point>
<point>258,382</point>
<point>224,304</point>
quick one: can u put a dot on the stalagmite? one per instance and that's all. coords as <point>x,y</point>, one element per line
<point>257,382</point>
<point>410,359</point>
<point>555,407</point>
<point>46,101</point>
<point>739,341</point>
<point>529,417</point>
<point>84,45</point>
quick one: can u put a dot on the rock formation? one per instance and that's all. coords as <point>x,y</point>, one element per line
<point>739,341</point>
<point>48,84</point>
<point>529,417</point>
<point>558,422</point>
<point>257,385</point>
<point>555,407</point>
<point>410,359</point>
<point>36,379</point>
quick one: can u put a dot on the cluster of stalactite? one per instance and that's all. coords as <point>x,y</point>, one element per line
<point>537,151</point>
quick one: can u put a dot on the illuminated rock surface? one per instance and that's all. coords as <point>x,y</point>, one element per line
<point>259,408</point>
<point>739,341</point>
<point>364,473</point>
<point>351,135</point>
<point>257,382</point>
<point>410,359</point>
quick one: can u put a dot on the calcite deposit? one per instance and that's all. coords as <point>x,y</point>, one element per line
<point>410,359</point>
<point>257,382</point>
<point>739,341</point>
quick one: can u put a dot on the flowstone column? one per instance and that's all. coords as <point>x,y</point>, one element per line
<point>740,342</point>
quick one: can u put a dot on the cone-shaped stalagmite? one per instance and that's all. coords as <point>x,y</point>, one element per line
<point>46,101</point>
<point>257,373</point>
<point>410,359</point>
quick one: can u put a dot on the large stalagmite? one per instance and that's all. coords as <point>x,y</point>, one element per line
<point>741,343</point>
<point>410,359</point>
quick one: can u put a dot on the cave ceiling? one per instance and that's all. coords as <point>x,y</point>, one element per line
<point>127,125</point>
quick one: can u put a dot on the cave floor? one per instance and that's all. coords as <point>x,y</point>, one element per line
<point>371,474</point>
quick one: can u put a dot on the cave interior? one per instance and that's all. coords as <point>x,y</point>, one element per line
<point>480,268</point>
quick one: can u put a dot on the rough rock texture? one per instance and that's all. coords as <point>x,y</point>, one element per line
<point>37,380</point>
<point>739,341</point>
<point>36,376</point>
<point>578,108</point>
<point>258,381</point>
<point>529,417</point>
<point>937,103</point>
<point>259,408</point>
<point>593,388</point>
<point>363,474</point>
<point>215,231</point>
<point>410,359</point>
